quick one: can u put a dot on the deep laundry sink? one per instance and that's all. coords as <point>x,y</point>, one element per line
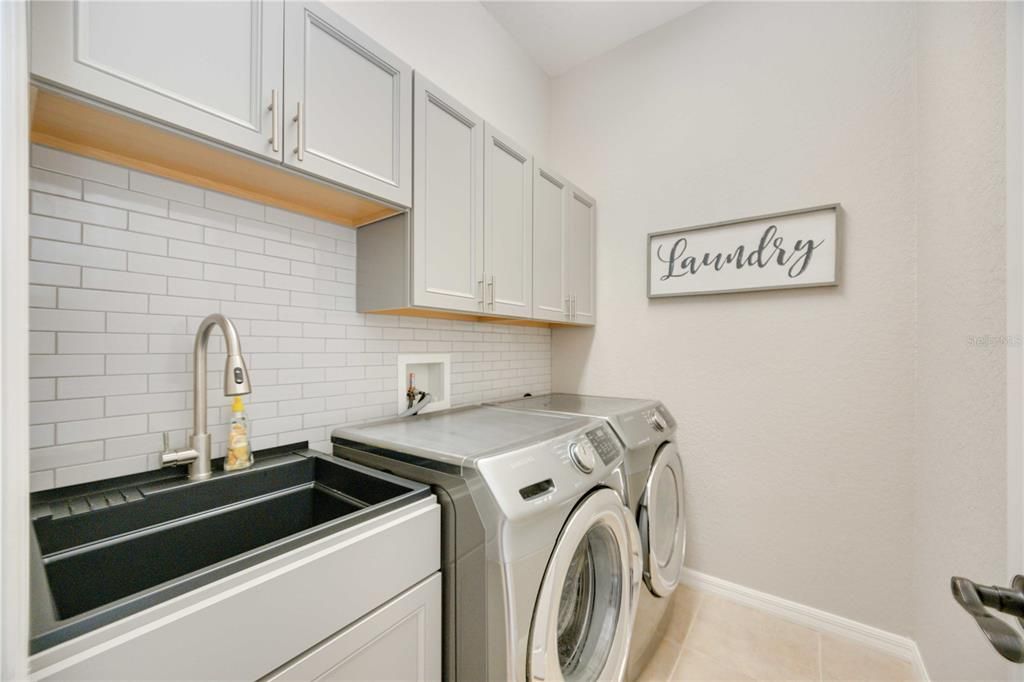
<point>111,548</point>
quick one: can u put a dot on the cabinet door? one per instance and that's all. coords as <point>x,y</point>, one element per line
<point>211,68</point>
<point>581,256</point>
<point>550,206</point>
<point>348,105</point>
<point>508,225</point>
<point>399,641</point>
<point>448,214</point>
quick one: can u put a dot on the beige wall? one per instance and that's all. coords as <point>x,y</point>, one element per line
<point>810,474</point>
<point>960,455</point>
<point>463,49</point>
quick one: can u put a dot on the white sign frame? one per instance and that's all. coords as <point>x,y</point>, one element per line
<point>817,223</point>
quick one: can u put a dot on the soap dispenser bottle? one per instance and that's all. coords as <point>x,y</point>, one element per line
<point>239,455</point>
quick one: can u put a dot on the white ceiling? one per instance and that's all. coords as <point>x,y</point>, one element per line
<point>561,35</point>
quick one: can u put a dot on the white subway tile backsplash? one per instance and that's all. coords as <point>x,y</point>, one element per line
<point>97,470</point>
<point>72,342</point>
<point>65,365</point>
<point>112,362</point>
<point>94,299</point>
<point>53,411</point>
<point>145,324</point>
<point>42,389</point>
<point>168,189</point>
<point>55,183</point>
<point>66,455</point>
<point>42,297</point>
<point>124,198</point>
<point>54,228</point>
<point>258,228</point>
<point>165,227</point>
<point>232,275</point>
<point>233,240</point>
<point>79,211</point>
<point>76,254</point>
<point>125,240</point>
<point>158,265</point>
<point>54,274</point>
<point>122,281</point>
<point>234,205</point>
<point>65,320</point>
<point>78,166</point>
<point>265,264</point>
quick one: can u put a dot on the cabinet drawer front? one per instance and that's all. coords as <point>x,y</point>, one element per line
<point>447,238</point>
<point>550,204</point>
<point>207,67</point>
<point>247,625</point>
<point>508,224</point>
<point>399,641</point>
<point>348,104</point>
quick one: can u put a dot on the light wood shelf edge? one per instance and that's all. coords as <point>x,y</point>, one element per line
<point>464,317</point>
<point>72,125</point>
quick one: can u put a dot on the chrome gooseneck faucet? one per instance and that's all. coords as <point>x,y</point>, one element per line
<point>236,382</point>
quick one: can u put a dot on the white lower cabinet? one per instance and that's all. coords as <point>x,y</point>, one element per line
<point>399,641</point>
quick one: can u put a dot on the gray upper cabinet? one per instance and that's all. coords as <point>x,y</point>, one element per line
<point>211,68</point>
<point>448,213</point>
<point>348,105</point>
<point>581,256</point>
<point>550,206</point>
<point>508,225</point>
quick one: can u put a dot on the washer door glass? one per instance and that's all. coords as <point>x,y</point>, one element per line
<point>662,522</point>
<point>583,618</point>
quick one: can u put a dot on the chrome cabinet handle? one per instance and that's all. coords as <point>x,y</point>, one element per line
<point>490,286</point>
<point>568,309</point>
<point>480,287</point>
<point>301,136</point>
<point>275,114</point>
<point>977,599</point>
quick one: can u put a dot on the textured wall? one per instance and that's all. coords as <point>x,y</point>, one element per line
<point>796,408</point>
<point>125,265</point>
<point>960,518</point>
<point>845,446</point>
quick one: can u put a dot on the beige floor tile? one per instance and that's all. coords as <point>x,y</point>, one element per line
<point>693,666</point>
<point>662,663</point>
<point>683,607</point>
<point>754,643</point>
<point>843,659</point>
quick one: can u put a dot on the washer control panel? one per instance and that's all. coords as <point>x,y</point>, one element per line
<point>583,455</point>
<point>605,444</point>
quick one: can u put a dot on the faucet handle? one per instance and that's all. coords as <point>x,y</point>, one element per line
<point>167,441</point>
<point>171,457</point>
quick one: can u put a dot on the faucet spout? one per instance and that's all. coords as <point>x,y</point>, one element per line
<point>236,382</point>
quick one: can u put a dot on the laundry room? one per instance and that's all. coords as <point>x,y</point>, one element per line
<point>511,340</point>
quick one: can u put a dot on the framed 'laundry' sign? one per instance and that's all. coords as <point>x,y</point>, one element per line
<point>777,251</point>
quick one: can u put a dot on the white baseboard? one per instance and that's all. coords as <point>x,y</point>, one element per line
<point>822,621</point>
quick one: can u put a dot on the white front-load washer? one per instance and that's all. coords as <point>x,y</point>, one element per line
<point>542,566</point>
<point>654,470</point>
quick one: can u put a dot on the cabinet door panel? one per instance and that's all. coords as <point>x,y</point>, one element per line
<point>550,203</point>
<point>581,253</point>
<point>448,194</point>
<point>206,67</point>
<point>508,225</point>
<point>399,641</point>
<point>355,123</point>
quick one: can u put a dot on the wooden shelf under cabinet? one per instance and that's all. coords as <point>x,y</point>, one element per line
<point>73,125</point>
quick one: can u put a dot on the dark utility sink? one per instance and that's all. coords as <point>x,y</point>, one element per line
<point>112,548</point>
